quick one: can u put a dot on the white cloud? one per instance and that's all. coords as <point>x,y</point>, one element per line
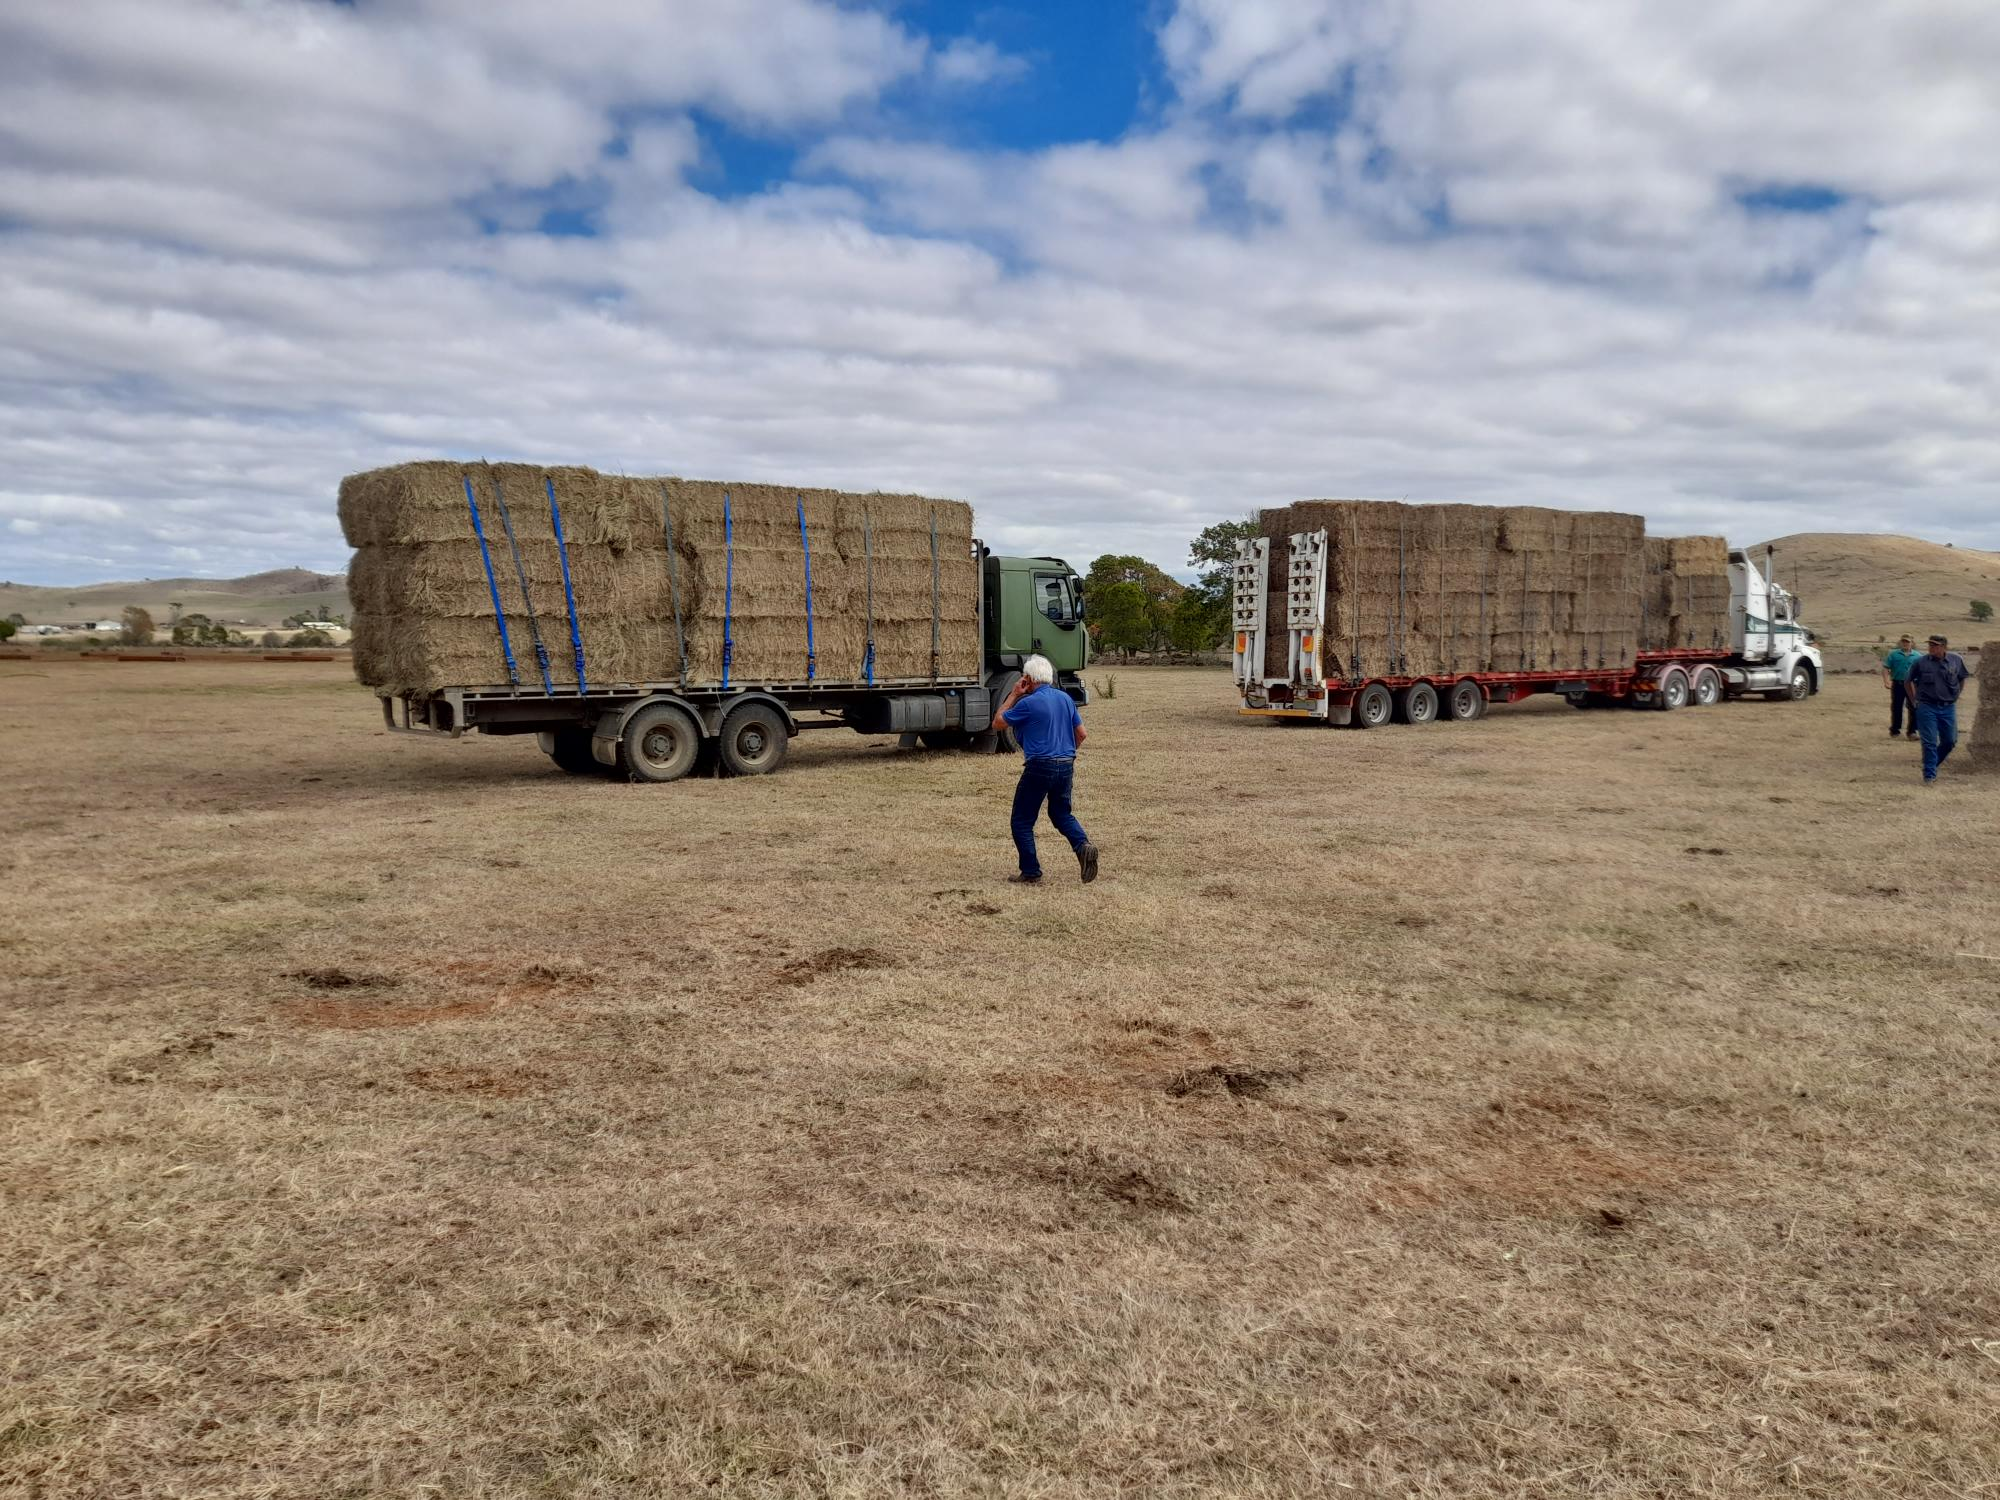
<point>1424,248</point>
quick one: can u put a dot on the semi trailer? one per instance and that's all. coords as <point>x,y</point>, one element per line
<point>1290,666</point>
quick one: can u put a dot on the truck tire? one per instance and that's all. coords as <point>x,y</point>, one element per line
<point>1373,706</point>
<point>754,740</point>
<point>1706,689</point>
<point>662,741</point>
<point>999,739</point>
<point>571,752</point>
<point>1672,691</point>
<point>1465,702</point>
<point>1417,704</point>
<point>1801,685</point>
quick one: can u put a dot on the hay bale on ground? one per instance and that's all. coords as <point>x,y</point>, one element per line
<point>424,607</point>
<point>1984,749</point>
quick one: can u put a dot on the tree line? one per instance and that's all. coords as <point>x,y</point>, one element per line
<point>1133,605</point>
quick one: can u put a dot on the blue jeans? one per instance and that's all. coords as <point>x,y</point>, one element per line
<point>1044,779</point>
<point>1899,700</point>
<point>1937,727</point>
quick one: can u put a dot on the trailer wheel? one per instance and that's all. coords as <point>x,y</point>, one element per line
<point>754,740</point>
<point>1672,691</point>
<point>1373,706</point>
<point>1707,687</point>
<point>572,752</point>
<point>1465,702</point>
<point>662,742</point>
<point>1417,704</point>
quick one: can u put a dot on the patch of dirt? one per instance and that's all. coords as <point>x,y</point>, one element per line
<point>1218,892</point>
<point>480,1081</point>
<point>196,1046</point>
<point>1089,1171</point>
<point>982,909</point>
<point>1227,1078</point>
<point>343,979</point>
<point>1698,849</point>
<point>357,1015</point>
<point>831,961</point>
<point>464,988</point>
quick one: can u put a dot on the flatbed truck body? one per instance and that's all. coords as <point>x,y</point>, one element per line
<point>662,731</point>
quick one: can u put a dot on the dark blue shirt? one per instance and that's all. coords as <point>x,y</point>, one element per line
<point>1938,679</point>
<point>1045,723</point>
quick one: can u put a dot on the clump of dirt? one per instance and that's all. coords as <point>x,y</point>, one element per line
<point>831,961</point>
<point>342,979</point>
<point>1227,1078</point>
<point>1416,919</point>
<point>1089,1170</point>
<point>1698,849</point>
<point>196,1046</point>
<point>479,1081</point>
<point>982,909</point>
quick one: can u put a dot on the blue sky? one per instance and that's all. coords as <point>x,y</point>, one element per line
<point>1109,272</point>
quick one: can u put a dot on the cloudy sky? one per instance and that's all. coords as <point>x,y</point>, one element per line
<point>1111,272</point>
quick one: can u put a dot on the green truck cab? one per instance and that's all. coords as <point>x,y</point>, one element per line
<point>1034,605</point>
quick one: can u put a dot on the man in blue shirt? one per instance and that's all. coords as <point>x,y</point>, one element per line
<point>1934,686</point>
<point>1044,719</point>
<point>1895,674</point>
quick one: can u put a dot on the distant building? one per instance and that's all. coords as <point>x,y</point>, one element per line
<point>106,625</point>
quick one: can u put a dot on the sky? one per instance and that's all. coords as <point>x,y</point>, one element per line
<point>1110,272</point>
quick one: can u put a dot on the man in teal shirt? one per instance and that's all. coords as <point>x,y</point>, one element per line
<point>1896,676</point>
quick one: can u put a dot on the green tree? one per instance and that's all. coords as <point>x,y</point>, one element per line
<point>1213,554</point>
<point>1195,626</point>
<point>312,638</point>
<point>1118,615</point>
<point>17,620</point>
<point>194,630</point>
<point>7,629</point>
<point>136,627</point>
<point>1158,594</point>
<point>270,639</point>
<point>1981,610</point>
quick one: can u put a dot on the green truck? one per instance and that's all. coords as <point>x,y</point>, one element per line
<point>662,731</point>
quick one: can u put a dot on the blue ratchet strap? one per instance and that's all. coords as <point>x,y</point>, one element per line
<point>868,550</point>
<point>492,587</point>
<point>806,546</point>
<point>934,596</point>
<point>527,600</point>
<point>728,585</point>
<point>569,593</point>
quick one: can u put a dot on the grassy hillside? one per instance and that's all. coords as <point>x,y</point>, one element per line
<point>1857,588</point>
<point>256,599</point>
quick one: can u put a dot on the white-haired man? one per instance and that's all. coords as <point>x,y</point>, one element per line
<point>1044,719</point>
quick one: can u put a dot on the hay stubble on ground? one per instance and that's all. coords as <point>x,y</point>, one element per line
<point>1564,1104</point>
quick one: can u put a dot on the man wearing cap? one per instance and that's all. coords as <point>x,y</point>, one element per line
<point>1934,686</point>
<point>1895,677</point>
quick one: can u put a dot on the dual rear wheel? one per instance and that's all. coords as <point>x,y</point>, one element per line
<point>664,742</point>
<point>1419,703</point>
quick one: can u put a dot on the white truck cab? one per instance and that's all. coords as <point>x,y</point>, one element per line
<point>1774,652</point>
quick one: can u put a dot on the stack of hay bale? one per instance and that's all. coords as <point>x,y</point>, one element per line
<point>1443,590</point>
<point>1685,602</point>
<point>423,609</point>
<point>1985,746</point>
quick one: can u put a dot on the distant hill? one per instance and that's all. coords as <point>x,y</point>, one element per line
<point>256,599</point>
<point>1859,590</point>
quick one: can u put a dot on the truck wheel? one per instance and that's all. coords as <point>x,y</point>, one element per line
<point>661,743</point>
<point>754,740</point>
<point>1801,685</point>
<point>572,753</point>
<point>1373,706</point>
<point>1417,704</point>
<point>1465,702</point>
<point>1707,687</point>
<point>999,740</point>
<point>1672,691</point>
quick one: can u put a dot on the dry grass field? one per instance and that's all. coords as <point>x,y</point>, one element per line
<point>1564,1105</point>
